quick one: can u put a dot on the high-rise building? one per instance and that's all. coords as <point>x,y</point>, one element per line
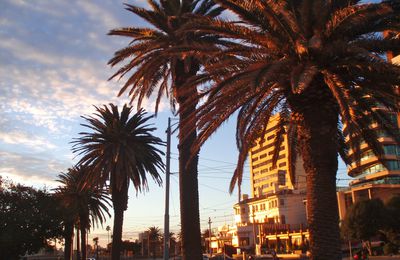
<point>267,178</point>
<point>374,179</point>
<point>275,215</point>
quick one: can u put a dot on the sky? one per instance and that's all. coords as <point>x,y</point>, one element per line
<point>53,70</point>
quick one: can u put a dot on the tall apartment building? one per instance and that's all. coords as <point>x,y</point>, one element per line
<point>373,179</point>
<point>275,215</point>
<point>267,178</point>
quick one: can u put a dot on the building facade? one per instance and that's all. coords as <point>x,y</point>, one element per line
<point>374,179</point>
<point>275,214</point>
<point>267,178</point>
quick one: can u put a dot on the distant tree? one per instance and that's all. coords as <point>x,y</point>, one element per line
<point>154,240</point>
<point>29,217</point>
<point>120,150</point>
<point>96,246</point>
<point>391,230</point>
<point>172,242</point>
<point>108,228</point>
<point>86,204</point>
<point>393,208</point>
<point>363,221</point>
<point>129,246</point>
<point>204,237</point>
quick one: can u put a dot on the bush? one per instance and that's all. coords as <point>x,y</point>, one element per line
<point>390,248</point>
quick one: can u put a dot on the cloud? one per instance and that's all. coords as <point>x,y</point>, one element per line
<point>25,52</point>
<point>21,138</point>
<point>33,169</point>
<point>53,8</point>
<point>99,14</point>
<point>53,70</point>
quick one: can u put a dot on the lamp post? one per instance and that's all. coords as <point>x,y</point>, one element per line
<point>167,173</point>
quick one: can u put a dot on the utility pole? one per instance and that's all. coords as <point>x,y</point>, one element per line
<point>167,173</point>
<point>209,235</point>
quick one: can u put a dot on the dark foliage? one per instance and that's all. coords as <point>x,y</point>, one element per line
<point>28,218</point>
<point>158,62</point>
<point>120,150</point>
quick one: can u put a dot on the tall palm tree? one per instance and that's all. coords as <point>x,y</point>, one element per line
<point>316,62</point>
<point>156,66</point>
<point>154,240</point>
<point>87,205</point>
<point>120,150</point>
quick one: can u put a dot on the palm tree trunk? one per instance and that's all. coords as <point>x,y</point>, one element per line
<point>69,236</point>
<point>188,182</point>
<point>317,140</point>
<point>120,201</point>
<point>78,255</point>
<point>83,239</point>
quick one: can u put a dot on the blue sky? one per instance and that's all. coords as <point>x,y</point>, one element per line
<point>53,57</point>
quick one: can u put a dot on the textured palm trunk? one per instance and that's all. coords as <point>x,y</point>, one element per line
<point>317,140</point>
<point>78,254</point>
<point>69,236</point>
<point>120,201</point>
<point>83,237</point>
<point>188,182</point>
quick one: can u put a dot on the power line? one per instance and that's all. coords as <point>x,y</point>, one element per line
<point>212,160</point>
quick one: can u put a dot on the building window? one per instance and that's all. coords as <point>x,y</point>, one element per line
<point>392,149</point>
<point>243,210</point>
<point>392,165</point>
<point>282,202</point>
<point>366,155</point>
<point>283,219</point>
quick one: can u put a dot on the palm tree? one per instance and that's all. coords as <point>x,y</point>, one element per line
<point>319,63</point>
<point>108,234</point>
<point>172,242</point>
<point>86,205</point>
<point>160,65</point>
<point>154,240</point>
<point>120,150</point>
<point>96,246</point>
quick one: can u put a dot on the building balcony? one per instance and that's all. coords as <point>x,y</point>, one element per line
<point>270,229</point>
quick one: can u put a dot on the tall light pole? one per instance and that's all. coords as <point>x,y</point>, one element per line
<point>167,173</point>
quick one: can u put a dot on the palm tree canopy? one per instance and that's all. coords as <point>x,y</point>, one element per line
<point>297,56</point>
<point>154,233</point>
<point>154,51</point>
<point>120,149</point>
<point>81,199</point>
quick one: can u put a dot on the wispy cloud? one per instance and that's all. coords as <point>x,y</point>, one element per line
<point>31,169</point>
<point>99,14</point>
<point>53,8</point>
<point>21,138</point>
<point>53,70</point>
